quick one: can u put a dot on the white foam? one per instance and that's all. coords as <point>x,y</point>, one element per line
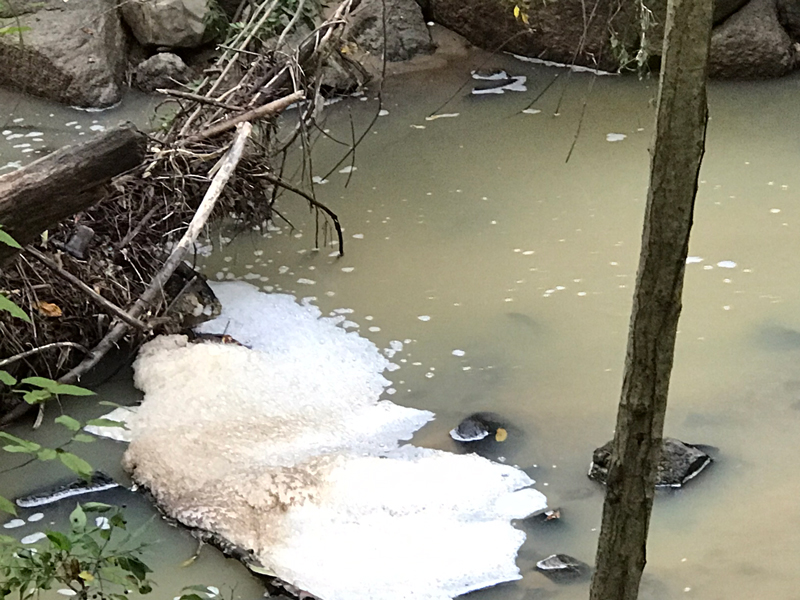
<point>286,449</point>
<point>35,517</point>
<point>14,523</point>
<point>726,264</point>
<point>33,538</point>
<point>615,137</point>
<point>550,63</point>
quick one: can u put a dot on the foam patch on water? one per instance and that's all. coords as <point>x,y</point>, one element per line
<point>287,450</point>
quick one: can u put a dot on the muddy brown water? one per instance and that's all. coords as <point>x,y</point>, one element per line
<point>522,267</point>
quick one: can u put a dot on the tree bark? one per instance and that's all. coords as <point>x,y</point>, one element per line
<point>676,156</point>
<point>65,182</point>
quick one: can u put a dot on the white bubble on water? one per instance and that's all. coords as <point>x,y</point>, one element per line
<point>348,269</point>
<point>726,264</point>
<point>374,329</point>
<point>33,538</point>
<point>424,318</point>
<point>358,236</point>
<point>615,137</point>
<point>458,352</point>
<point>348,169</point>
<point>35,517</point>
<point>14,523</point>
<point>383,112</point>
<point>305,281</point>
<point>693,259</point>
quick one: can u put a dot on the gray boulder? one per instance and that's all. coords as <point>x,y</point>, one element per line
<point>789,16</point>
<point>162,70</point>
<point>679,463</point>
<point>407,34</point>
<point>752,44</point>
<point>71,52</point>
<point>167,23</point>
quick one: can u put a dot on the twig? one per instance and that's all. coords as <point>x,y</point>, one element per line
<point>316,203</point>
<point>197,98</point>
<point>274,107</point>
<point>67,276</point>
<point>227,164</point>
<point>32,351</point>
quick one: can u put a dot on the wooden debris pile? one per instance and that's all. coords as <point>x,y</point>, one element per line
<point>108,272</point>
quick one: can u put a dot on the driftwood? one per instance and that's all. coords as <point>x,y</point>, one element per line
<point>63,183</point>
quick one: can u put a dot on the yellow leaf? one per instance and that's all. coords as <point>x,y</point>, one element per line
<point>516,12</point>
<point>525,18</point>
<point>86,576</point>
<point>48,309</point>
<point>501,434</point>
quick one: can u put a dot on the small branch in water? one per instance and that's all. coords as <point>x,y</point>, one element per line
<point>69,277</point>
<point>315,203</point>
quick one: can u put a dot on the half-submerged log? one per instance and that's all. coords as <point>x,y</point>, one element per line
<point>65,182</point>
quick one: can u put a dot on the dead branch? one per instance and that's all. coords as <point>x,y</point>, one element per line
<point>197,98</point>
<point>312,201</point>
<point>227,164</point>
<point>97,298</point>
<point>273,108</point>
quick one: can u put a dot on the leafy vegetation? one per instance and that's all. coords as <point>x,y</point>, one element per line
<point>96,558</point>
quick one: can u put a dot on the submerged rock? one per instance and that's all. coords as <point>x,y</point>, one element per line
<point>563,568</point>
<point>679,463</point>
<point>479,426</point>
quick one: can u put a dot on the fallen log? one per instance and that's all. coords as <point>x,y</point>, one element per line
<point>65,182</point>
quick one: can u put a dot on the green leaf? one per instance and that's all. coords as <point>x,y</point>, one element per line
<point>109,403</point>
<point>59,540</point>
<point>68,422</point>
<point>78,519</point>
<point>8,506</point>
<point>5,237</point>
<point>29,446</point>
<point>7,378</point>
<point>46,454</point>
<point>84,438</point>
<point>55,387</point>
<point>37,396</point>
<point>11,307</point>
<point>76,464</point>
<point>105,423</point>
<point>17,449</point>
<point>96,507</point>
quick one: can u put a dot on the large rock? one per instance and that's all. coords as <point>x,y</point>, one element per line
<point>789,16</point>
<point>169,23</point>
<point>162,70</point>
<point>679,463</point>
<point>69,52</point>
<point>558,30</point>
<point>407,34</point>
<point>752,44</point>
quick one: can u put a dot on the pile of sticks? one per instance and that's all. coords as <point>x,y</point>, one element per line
<point>218,155</point>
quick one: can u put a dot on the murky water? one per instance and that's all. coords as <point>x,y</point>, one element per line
<point>474,235</point>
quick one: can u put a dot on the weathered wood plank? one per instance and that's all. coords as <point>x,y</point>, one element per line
<point>65,182</point>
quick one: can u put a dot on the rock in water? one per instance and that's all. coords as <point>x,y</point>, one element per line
<point>562,568</point>
<point>679,463</point>
<point>162,70</point>
<point>479,426</point>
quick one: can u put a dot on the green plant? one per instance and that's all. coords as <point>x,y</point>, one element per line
<point>5,304</point>
<point>95,559</point>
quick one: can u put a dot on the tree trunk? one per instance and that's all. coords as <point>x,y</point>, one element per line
<point>677,153</point>
<point>65,182</point>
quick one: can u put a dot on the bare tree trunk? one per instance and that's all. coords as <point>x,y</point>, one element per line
<point>677,153</point>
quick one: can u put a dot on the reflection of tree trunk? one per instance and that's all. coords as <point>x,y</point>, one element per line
<point>677,152</point>
<point>65,182</point>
